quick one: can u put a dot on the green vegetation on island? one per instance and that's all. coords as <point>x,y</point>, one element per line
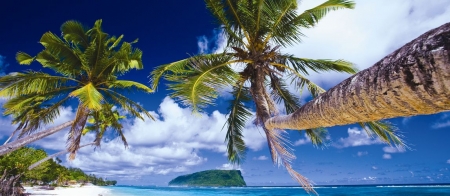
<point>210,178</point>
<point>15,168</point>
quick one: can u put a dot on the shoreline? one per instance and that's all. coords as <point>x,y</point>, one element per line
<point>87,190</point>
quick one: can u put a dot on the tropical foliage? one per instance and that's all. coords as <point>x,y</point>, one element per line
<point>259,73</point>
<point>213,178</point>
<point>17,163</point>
<point>86,65</point>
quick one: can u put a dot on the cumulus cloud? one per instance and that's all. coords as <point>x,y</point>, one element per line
<point>356,137</point>
<point>173,143</point>
<point>260,158</point>
<point>229,166</point>
<point>366,34</point>
<point>387,156</point>
<point>302,141</point>
<point>212,44</point>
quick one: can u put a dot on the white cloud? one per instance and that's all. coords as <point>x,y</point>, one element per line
<point>360,153</point>
<point>302,141</point>
<point>229,166</point>
<point>374,167</point>
<point>260,158</point>
<point>387,156</point>
<point>172,143</point>
<point>391,149</point>
<point>448,161</point>
<point>356,137</point>
<point>367,33</point>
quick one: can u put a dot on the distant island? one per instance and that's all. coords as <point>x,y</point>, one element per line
<point>210,178</point>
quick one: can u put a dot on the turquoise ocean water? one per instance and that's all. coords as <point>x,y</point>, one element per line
<point>394,190</point>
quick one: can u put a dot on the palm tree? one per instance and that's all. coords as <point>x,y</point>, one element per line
<point>416,80</point>
<point>86,65</point>
<point>256,30</point>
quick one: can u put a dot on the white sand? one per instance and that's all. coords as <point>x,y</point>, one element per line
<point>71,191</point>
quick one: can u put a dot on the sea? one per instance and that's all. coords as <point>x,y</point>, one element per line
<point>372,190</point>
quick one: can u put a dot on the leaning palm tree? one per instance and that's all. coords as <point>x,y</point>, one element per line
<point>416,80</point>
<point>258,72</point>
<point>86,65</point>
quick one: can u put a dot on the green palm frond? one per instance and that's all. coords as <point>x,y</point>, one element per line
<point>318,136</point>
<point>314,15</point>
<point>127,104</point>
<point>301,64</point>
<point>128,84</point>
<point>239,114</point>
<point>89,96</point>
<point>199,86</point>
<point>385,131</point>
<point>24,58</point>
<point>75,33</point>
<point>281,31</point>
<point>280,93</point>
<point>301,82</point>
<point>234,37</point>
<point>116,42</point>
<point>174,68</point>
<point>54,45</point>
<point>31,82</point>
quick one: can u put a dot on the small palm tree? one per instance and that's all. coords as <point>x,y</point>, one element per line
<point>86,65</point>
<point>258,72</point>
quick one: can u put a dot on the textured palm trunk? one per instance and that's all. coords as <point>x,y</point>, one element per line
<point>12,146</point>
<point>11,136</point>
<point>76,130</point>
<point>265,108</point>
<point>10,185</point>
<point>34,165</point>
<point>413,80</point>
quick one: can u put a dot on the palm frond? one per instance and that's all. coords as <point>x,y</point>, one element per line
<point>24,58</point>
<point>128,84</point>
<point>239,114</point>
<point>314,15</point>
<point>89,96</point>
<point>301,64</point>
<point>281,94</point>
<point>128,105</point>
<point>234,37</point>
<point>31,82</point>
<point>318,137</point>
<point>281,31</point>
<point>174,68</point>
<point>199,86</point>
<point>74,32</point>
<point>385,131</point>
<point>57,47</point>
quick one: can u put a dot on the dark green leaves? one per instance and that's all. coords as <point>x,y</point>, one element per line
<point>239,114</point>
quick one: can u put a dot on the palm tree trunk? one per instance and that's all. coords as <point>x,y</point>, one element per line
<point>11,136</point>
<point>413,80</point>
<point>26,140</point>
<point>34,165</point>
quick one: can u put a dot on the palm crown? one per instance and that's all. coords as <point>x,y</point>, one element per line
<point>255,31</point>
<point>87,63</point>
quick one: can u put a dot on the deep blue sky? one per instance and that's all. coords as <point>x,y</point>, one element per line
<point>180,143</point>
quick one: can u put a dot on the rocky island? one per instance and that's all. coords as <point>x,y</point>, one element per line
<point>210,178</point>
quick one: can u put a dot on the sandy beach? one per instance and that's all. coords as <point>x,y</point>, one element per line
<point>89,190</point>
